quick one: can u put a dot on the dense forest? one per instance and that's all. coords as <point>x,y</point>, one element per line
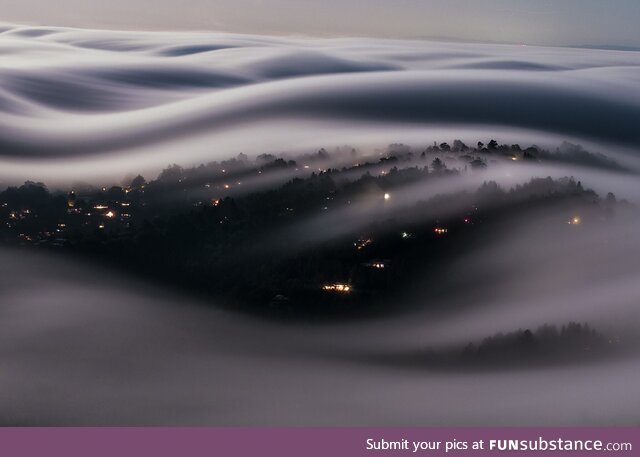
<point>524,348</point>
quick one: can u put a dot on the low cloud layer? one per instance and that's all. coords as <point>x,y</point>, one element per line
<point>77,99</point>
<point>81,345</point>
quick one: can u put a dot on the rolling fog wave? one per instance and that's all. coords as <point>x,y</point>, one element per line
<point>84,346</point>
<point>68,94</point>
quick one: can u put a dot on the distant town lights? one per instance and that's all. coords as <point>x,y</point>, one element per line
<point>343,288</point>
<point>362,243</point>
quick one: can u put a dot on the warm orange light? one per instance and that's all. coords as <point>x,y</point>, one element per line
<point>362,243</point>
<point>343,288</point>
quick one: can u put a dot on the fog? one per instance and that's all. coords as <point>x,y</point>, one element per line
<point>75,101</point>
<point>337,221</point>
<point>85,345</point>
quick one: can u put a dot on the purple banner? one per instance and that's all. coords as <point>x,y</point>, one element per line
<point>316,442</point>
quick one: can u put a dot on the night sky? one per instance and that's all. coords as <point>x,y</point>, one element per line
<point>558,22</point>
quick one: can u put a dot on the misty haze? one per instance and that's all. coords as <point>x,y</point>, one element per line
<point>205,228</point>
